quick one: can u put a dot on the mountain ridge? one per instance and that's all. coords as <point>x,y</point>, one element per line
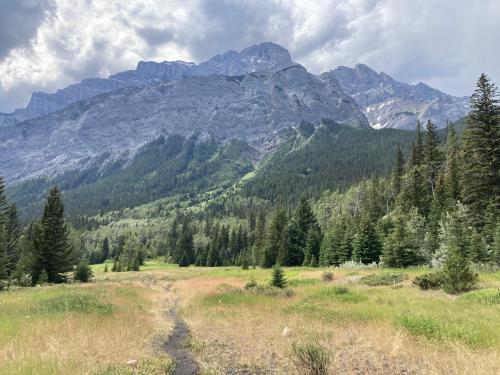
<point>388,103</point>
<point>254,107</point>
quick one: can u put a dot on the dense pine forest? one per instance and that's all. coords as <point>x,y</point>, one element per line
<point>328,196</point>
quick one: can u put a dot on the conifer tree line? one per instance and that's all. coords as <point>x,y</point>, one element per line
<point>413,217</point>
<point>42,252</point>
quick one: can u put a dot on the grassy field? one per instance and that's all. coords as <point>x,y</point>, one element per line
<point>389,329</point>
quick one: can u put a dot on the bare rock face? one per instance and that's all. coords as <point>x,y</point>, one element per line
<point>255,107</point>
<point>388,103</point>
<point>261,57</point>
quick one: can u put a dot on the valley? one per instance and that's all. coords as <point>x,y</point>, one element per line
<point>119,324</point>
<point>242,215</point>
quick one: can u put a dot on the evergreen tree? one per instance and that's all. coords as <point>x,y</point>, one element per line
<point>294,254</point>
<point>12,234</point>
<point>4,260</point>
<point>459,275</point>
<point>496,247</point>
<point>105,249</point>
<point>413,187</point>
<point>278,280</point>
<point>258,244</point>
<point>432,157</point>
<point>367,247</point>
<point>184,247</point>
<point>274,245</point>
<point>478,249</point>
<point>3,200</point>
<point>481,151</point>
<point>312,250</point>
<point>400,248</point>
<point>56,251</point>
<point>397,173</point>
<point>452,180</point>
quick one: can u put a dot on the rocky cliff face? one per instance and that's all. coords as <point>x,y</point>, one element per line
<point>388,103</point>
<point>254,107</point>
<point>261,57</point>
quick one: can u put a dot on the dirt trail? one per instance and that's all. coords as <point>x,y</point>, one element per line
<point>175,346</point>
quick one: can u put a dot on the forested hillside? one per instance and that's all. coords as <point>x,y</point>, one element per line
<point>331,156</point>
<point>327,195</point>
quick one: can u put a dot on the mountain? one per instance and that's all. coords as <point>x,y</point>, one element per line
<point>262,57</point>
<point>387,103</point>
<point>311,158</point>
<point>255,107</point>
<point>165,167</point>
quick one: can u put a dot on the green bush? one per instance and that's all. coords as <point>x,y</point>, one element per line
<point>83,273</point>
<point>430,280</point>
<point>384,278</point>
<point>311,359</point>
<point>251,284</point>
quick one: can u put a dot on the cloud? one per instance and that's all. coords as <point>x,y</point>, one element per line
<point>20,21</point>
<point>48,44</point>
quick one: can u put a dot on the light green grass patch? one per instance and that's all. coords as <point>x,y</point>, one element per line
<point>339,294</point>
<point>438,329</point>
<point>486,296</point>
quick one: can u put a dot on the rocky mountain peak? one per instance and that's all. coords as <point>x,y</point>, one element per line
<point>388,103</point>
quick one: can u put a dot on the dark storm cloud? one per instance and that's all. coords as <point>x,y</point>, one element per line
<point>20,21</point>
<point>154,36</point>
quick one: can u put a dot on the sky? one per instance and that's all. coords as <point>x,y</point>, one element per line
<point>49,44</point>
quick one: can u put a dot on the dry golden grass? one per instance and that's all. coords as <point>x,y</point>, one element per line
<point>246,332</point>
<point>234,330</point>
<point>76,342</point>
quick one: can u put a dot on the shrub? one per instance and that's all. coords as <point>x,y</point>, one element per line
<point>311,359</point>
<point>278,280</point>
<point>244,264</point>
<point>272,291</point>
<point>327,276</point>
<point>82,272</point>
<point>251,284</point>
<point>384,278</point>
<point>430,280</point>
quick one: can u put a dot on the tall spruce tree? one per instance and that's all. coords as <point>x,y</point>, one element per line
<point>452,179</point>
<point>184,247</point>
<point>274,242</point>
<point>56,251</point>
<point>302,222</point>
<point>367,246</point>
<point>432,157</point>
<point>397,173</point>
<point>413,191</point>
<point>312,250</point>
<point>481,151</point>
<point>458,272</point>
<point>105,252</point>
<point>496,247</point>
<point>4,260</point>
<point>12,234</point>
